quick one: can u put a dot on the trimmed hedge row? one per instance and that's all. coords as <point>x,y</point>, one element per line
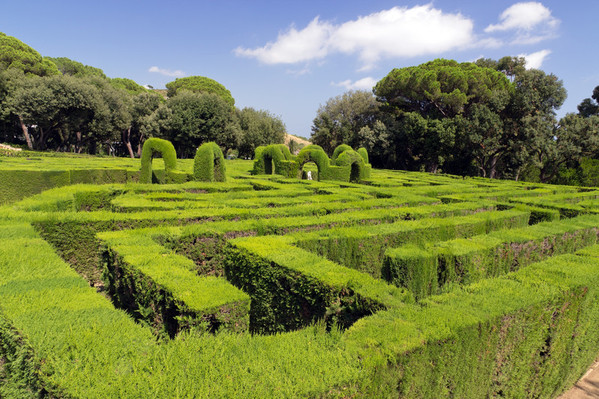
<point>364,248</point>
<point>528,334</point>
<point>161,288</point>
<point>426,270</point>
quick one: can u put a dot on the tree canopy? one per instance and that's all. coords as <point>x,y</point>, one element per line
<point>199,84</point>
<point>14,54</point>
<point>258,127</point>
<point>442,88</point>
<point>341,119</point>
<point>191,119</point>
<point>74,68</point>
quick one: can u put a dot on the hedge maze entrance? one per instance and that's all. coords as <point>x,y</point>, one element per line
<point>407,285</point>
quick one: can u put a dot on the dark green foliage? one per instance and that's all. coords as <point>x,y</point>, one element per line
<point>209,163</point>
<point>151,147</point>
<point>258,128</point>
<point>283,300</point>
<point>192,118</point>
<point>199,84</point>
<point>443,88</point>
<point>128,85</point>
<point>74,68</point>
<point>18,368</point>
<point>16,54</point>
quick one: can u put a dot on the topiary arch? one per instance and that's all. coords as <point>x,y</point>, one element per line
<point>346,164</point>
<point>353,162</point>
<point>151,147</point>
<point>313,153</point>
<point>209,163</point>
<point>274,158</point>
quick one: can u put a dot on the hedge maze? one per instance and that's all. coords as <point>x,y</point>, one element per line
<point>346,164</point>
<point>406,285</point>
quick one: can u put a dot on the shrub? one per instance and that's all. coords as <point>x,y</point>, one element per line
<point>209,163</point>
<point>151,147</point>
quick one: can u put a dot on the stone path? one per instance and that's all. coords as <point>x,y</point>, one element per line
<point>587,387</point>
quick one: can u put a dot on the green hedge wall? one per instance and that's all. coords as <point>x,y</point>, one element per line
<point>428,269</point>
<point>522,335</point>
<point>151,147</point>
<point>19,184</point>
<point>209,163</point>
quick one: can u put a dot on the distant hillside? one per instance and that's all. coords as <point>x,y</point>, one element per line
<point>289,137</point>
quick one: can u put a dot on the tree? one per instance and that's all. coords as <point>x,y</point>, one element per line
<point>258,128</point>
<point>483,131</point>
<point>590,106</point>
<point>440,88</point>
<point>145,120</point>
<point>15,54</point>
<point>73,68</point>
<point>127,85</point>
<point>342,118</point>
<point>530,120</point>
<point>196,118</point>
<point>427,111</point>
<point>63,112</point>
<point>572,139</point>
<point>199,84</point>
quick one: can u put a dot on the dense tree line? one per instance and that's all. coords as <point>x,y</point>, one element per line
<point>63,105</point>
<point>489,118</point>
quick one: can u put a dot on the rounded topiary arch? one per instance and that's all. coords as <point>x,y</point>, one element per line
<point>364,153</point>
<point>269,159</point>
<point>313,153</point>
<point>354,162</point>
<point>151,147</point>
<point>340,149</point>
<point>209,163</point>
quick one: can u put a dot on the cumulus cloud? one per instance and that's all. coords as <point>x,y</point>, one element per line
<point>531,21</point>
<point>362,84</point>
<point>167,72</point>
<point>294,45</point>
<point>397,32</point>
<point>535,60</point>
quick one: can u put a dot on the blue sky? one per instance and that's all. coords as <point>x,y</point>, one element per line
<point>289,57</point>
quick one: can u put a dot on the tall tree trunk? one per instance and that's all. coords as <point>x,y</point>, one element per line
<point>26,133</point>
<point>41,140</point>
<point>140,145</point>
<point>126,137</point>
<point>79,144</point>
<point>493,171</point>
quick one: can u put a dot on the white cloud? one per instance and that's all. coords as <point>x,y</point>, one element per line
<point>535,60</point>
<point>167,72</point>
<point>362,84</point>
<point>403,33</point>
<point>294,46</point>
<point>397,32</point>
<point>531,21</point>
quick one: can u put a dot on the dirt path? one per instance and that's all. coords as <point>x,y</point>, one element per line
<point>587,387</point>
